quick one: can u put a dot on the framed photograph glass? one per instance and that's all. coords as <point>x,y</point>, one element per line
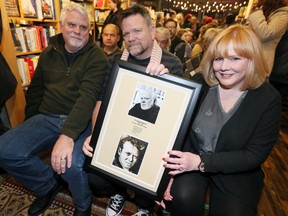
<point>141,118</point>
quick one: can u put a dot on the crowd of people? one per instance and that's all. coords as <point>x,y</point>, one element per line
<point>233,130</point>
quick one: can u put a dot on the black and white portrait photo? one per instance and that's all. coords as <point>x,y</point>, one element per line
<point>130,153</point>
<point>146,103</point>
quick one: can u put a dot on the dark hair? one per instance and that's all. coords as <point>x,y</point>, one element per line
<point>135,142</point>
<point>230,18</point>
<point>270,6</point>
<point>118,2</point>
<point>170,20</point>
<point>137,9</point>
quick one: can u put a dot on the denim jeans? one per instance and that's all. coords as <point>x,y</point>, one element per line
<point>19,148</point>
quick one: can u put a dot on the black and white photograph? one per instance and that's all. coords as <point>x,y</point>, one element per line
<point>146,103</point>
<point>129,154</point>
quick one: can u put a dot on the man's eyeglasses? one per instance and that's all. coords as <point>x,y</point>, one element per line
<point>170,27</point>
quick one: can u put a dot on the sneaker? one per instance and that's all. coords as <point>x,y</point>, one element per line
<point>143,212</point>
<point>115,205</point>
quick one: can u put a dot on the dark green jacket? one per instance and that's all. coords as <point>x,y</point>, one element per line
<point>60,89</point>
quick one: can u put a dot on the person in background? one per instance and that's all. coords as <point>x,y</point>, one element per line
<point>163,37</point>
<point>187,21</point>
<point>110,38</point>
<point>215,22</point>
<point>59,104</point>
<point>198,46</point>
<point>180,19</point>
<point>8,84</point>
<point>180,32</point>
<point>159,19</point>
<point>235,127</point>
<point>113,17</point>
<point>269,20</point>
<point>141,49</point>
<point>178,46</point>
<point>279,75</point>
<point>208,37</point>
<point>114,14</point>
<point>172,14</point>
<point>230,19</point>
<point>195,27</point>
<point>188,37</point>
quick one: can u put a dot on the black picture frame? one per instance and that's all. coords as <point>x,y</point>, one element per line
<point>176,99</point>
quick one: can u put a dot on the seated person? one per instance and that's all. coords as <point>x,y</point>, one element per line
<point>110,38</point>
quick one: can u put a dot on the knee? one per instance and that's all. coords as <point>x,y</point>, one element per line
<point>6,153</point>
<point>74,171</point>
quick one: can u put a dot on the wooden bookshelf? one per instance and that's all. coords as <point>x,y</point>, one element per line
<point>31,29</point>
<point>16,104</point>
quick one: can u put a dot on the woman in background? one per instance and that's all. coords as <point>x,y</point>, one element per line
<point>269,20</point>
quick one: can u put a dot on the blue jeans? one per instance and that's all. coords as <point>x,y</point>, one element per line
<point>19,148</point>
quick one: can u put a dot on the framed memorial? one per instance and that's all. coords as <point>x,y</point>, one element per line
<point>141,118</point>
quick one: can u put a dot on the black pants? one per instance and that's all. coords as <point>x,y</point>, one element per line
<point>100,183</point>
<point>189,196</point>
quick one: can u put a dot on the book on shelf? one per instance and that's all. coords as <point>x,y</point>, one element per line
<point>28,9</point>
<point>20,35</point>
<point>27,66</point>
<point>16,40</point>
<point>26,39</point>
<point>23,71</point>
<point>64,3</point>
<point>32,38</point>
<point>100,15</point>
<point>38,8</point>
<point>12,8</point>
<point>47,9</point>
<point>90,10</point>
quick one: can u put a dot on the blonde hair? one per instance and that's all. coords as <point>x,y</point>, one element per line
<point>209,36</point>
<point>246,44</point>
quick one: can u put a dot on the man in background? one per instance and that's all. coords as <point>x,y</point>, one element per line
<point>178,46</point>
<point>110,38</point>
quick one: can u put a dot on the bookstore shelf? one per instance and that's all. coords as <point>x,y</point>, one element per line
<point>32,23</point>
<point>16,104</point>
<point>27,17</point>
